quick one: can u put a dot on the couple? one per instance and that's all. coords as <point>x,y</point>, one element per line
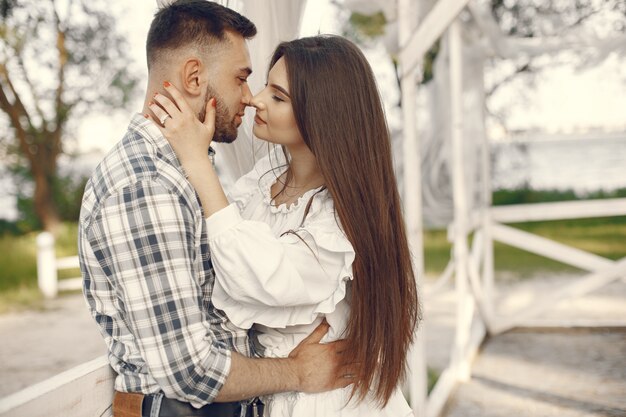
<point>301,289</point>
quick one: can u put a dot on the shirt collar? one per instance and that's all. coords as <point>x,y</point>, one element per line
<point>148,130</point>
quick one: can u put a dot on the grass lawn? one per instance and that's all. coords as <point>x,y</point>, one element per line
<point>605,237</point>
<point>18,266</point>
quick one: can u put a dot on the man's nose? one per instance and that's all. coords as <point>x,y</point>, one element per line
<point>246,97</point>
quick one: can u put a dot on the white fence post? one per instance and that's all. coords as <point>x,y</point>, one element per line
<point>46,265</point>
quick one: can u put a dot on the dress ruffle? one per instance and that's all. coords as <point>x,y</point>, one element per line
<point>322,235</point>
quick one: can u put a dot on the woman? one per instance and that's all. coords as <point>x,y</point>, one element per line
<point>315,231</point>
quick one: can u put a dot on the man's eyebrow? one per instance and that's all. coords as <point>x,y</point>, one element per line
<point>279,88</point>
<point>247,70</point>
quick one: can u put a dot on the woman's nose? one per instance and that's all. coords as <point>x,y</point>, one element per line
<point>257,102</point>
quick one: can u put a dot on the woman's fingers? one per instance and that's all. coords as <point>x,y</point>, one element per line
<point>156,122</point>
<point>159,113</point>
<point>209,117</point>
<point>177,97</point>
<point>166,104</point>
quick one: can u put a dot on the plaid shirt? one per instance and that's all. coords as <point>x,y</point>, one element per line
<point>147,273</point>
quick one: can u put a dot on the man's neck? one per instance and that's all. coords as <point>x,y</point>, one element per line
<point>154,86</point>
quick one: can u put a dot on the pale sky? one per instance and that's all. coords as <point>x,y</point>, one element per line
<point>570,100</point>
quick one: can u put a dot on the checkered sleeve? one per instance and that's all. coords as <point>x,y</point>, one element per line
<point>143,239</point>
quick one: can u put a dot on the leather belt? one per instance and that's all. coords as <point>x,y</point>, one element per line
<point>127,404</point>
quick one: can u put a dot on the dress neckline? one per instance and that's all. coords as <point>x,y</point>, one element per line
<point>283,207</point>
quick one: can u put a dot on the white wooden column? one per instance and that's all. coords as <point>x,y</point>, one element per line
<point>465,303</point>
<point>46,265</point>
<point>418,378</point>
<point>488,269</point>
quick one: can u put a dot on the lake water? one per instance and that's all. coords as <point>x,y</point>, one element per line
<point>582,165</point>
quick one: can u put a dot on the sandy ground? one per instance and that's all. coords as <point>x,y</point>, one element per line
<point>532,373</point>
<point>39,344</point>
<point>564,374</point>
<point>524,373</point>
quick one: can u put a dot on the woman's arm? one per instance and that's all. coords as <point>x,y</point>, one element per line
<point>190,138</point>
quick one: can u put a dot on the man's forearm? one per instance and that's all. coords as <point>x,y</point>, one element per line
<point>249,378</point>
<point>310,367</point>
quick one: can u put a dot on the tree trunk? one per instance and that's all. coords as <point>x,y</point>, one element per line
<point>43,202</point>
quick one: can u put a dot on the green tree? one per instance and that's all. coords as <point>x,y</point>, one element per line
<point>59,60</point>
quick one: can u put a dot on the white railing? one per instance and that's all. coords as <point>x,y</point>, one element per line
<point>83,391</point>
<point>48,266</point>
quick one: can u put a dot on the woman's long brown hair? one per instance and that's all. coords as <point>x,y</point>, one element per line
<point>339,113</point>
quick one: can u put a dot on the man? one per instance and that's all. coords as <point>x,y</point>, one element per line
<point>143,245</point>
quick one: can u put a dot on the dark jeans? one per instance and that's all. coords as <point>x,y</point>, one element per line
<point>175,408</point>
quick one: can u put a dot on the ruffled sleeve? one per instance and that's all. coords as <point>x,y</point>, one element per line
<point>277,282</point>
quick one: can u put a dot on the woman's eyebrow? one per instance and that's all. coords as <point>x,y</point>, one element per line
<point>279,88</point>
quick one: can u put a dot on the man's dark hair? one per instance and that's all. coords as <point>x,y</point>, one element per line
<point>193,22</point>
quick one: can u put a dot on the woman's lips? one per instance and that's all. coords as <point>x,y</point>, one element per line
<point>258,120</point>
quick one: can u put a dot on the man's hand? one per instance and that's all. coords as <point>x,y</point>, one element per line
<point>321,367</point>
<point>310,367</point>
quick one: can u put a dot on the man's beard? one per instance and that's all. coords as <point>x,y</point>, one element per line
<point>225,128</point>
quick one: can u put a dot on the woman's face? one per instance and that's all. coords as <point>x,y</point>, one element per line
<point>274,120</point>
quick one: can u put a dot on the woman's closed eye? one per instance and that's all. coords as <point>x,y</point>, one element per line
<point>276,98</point>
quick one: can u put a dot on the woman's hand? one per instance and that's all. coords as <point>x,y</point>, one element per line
<point>188,136</point>
<point>190,139</point>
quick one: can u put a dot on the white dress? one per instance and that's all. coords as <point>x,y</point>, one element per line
<point>284,285</point>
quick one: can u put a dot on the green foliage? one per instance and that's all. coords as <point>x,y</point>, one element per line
<point>433,377</point>
<point>428,67</point>
<point>368,26</point>
<point>525,195</point>
<point>28,220</point>
<point>6,6</point>
<point>68,195</point>
<point>532,18</point>
<point>8,228</point>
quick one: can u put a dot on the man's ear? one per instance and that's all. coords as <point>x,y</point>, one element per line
<point>192,76</point>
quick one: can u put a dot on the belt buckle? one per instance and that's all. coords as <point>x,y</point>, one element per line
<point>257,407</point>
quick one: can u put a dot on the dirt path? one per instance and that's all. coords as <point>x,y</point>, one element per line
<point>560,374</point>
<point>39,344</point>
<point>531,373</point>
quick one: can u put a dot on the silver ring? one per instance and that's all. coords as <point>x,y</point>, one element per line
<point>163,119</point>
